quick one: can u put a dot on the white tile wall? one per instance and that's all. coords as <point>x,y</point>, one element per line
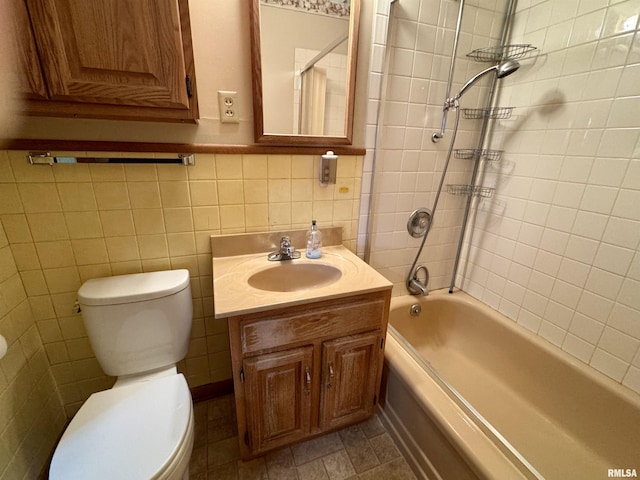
<point>407,163</point>
<point>576,152</point>
<point>556,249</point>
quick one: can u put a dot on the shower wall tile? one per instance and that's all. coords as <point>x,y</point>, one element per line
<point>407,163</point>
<point>575,127</point>
<point>556,249</point>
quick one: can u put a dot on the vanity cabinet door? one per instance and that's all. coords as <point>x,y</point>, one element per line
<point>350,379</point>
<point>278,392</point>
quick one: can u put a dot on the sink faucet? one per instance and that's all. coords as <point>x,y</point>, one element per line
<point>286,252</point>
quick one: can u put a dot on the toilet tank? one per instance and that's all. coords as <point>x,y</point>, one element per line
<point>139,322</point>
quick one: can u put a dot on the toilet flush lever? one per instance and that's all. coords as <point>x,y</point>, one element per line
<point>76,307</point>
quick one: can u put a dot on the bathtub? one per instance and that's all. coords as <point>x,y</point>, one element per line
<point>468,393</point>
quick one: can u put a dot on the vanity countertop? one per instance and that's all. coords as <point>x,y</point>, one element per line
<point>233,295</point>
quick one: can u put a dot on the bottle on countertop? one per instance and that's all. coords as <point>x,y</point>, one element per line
<point>314,242</point>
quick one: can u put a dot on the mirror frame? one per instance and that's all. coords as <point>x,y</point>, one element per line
<point>256,82</point>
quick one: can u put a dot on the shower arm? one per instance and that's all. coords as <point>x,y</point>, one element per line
<point>453,102</point>
<point>501,69</point>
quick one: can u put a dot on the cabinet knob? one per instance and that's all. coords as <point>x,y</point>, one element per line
<point>329,384</point>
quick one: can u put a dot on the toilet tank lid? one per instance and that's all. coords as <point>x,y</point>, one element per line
<point>131,288</point>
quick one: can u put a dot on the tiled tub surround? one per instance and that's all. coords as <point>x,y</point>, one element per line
<point>556,249</point>
<point>65,224</point>
<point>564,419</point>
<point>408,164</point>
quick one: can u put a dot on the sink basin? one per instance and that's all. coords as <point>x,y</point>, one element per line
<point>292,277</point>
<point>247,283</point>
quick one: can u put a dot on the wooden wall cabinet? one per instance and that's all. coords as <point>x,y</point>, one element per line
<point>305,370</point>
<point>118,59</point>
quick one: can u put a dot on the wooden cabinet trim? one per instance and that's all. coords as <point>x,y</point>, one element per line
<point>310,325</point>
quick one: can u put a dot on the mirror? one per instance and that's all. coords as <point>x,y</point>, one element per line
<point>304,68</point>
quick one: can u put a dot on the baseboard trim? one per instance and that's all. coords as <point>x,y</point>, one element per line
<point>211,390</point>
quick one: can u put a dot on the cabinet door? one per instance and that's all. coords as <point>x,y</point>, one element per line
<point>29,81</point>
<point>278,397</point>
<point>349,377</point>
<point>120,52</point>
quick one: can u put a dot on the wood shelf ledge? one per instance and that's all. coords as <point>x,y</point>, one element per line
<point>105,146</point>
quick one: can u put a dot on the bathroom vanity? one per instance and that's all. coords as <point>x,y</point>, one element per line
<point>306,356</point>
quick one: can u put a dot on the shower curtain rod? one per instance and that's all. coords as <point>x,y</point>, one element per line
<point>323,53</point>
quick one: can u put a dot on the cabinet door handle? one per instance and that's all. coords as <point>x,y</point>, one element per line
<point>329,384</point>
<point>307,376</point>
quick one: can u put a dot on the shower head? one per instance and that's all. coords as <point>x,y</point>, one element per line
<point>502,70</point>
<point>507,68</point>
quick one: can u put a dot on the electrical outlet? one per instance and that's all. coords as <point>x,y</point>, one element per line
<point>228,104</point>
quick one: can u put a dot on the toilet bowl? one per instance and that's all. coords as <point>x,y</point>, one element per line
<point>141,431</point>
<point>143,427</point>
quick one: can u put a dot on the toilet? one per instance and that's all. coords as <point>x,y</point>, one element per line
<point>142,428</point>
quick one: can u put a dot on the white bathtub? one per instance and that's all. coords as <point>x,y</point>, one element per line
<point>470,394</point>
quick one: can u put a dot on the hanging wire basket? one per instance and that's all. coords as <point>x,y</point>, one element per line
<point>500,53</point>
<point>473,190</point>
<point>499,113</point>
<point>482,154</point>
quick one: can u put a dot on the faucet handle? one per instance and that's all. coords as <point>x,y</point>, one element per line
<point>286,247</point>
<point>286,252</point>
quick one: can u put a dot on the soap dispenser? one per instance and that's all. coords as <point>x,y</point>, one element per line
<point>314,242</point>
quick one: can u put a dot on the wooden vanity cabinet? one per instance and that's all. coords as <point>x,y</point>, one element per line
<point>119,59</point>
<point>305,370</point>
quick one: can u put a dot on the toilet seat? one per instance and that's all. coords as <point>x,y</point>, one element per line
<point>138,431</point>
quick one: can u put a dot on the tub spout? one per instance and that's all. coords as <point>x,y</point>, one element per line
<point>415,285</point>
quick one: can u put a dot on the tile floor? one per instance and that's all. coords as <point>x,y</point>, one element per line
<point>361,452</point>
